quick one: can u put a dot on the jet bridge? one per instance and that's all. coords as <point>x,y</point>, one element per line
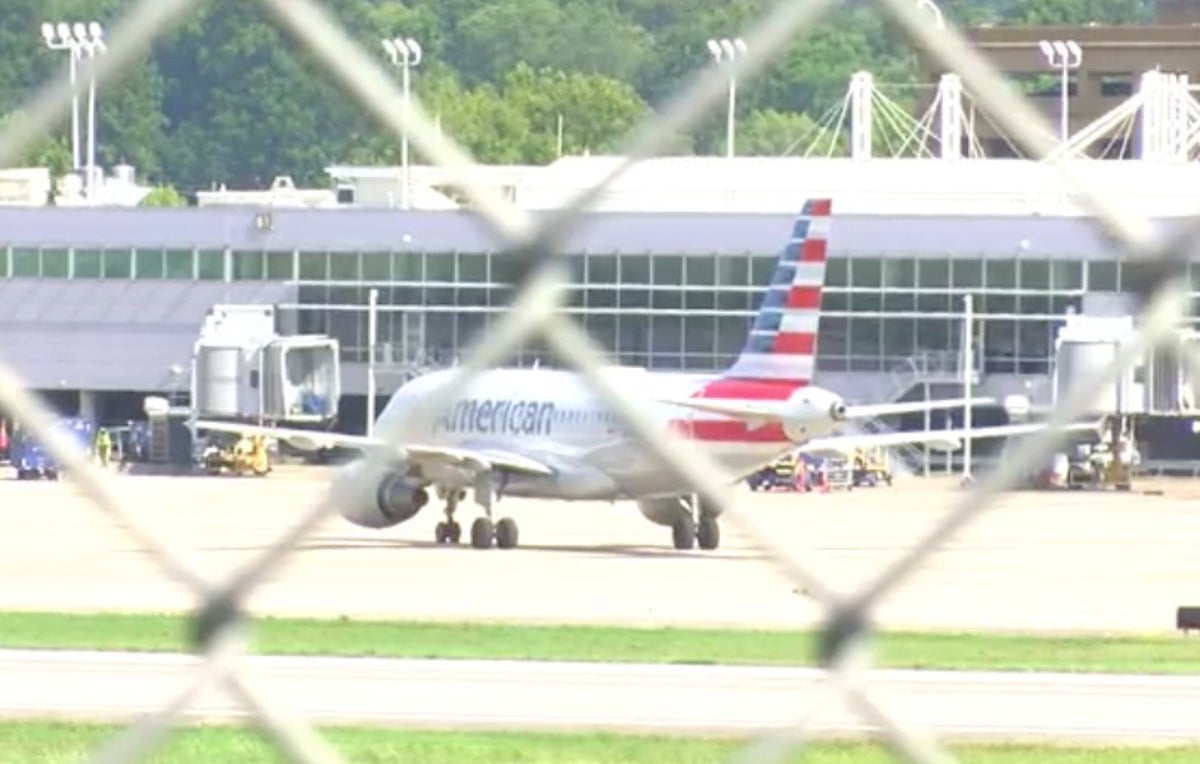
<point>242,370</point>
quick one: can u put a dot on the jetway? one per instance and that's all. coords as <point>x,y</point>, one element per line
<point>1159,384</point>
<point>1172,387</point>
<point>1083,349</point>
<point>242,369</point>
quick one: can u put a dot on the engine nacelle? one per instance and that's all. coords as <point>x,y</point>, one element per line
<point>378,498</point>
<point>666,510</point>
<point>812,412</point>
<point>663,511</point>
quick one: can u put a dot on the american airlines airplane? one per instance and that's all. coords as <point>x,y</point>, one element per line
<point>543,433</point>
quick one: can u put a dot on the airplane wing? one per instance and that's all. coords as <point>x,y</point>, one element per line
<point>479,459</point>
<point>945,439</point>
<point>768,411</point>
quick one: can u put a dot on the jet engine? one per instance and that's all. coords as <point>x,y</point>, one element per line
<point>812,412</point>
<point>378,498</point>
<point>663,511</point>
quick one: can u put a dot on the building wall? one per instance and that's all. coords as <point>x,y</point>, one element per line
<point>670,291</point>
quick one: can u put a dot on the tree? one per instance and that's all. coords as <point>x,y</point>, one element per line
<point>575,36</point>
<point>596,111</point>
<point>163,196</point>
<point>231,97</point>
<point>768,132</point>
<point>1039,12</point>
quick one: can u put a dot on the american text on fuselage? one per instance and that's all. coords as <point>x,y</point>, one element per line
<point>490,416</point>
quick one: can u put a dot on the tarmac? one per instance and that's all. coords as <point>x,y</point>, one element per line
<point>712,700</point>
<point>1036,561</point>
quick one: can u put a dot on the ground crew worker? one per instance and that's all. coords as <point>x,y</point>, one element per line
<point>860,467</point>
<point>103,446</point>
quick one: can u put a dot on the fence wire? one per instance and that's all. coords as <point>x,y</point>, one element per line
<point>219,625</point>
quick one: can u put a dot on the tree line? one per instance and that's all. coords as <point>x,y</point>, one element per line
<point>229,97</point>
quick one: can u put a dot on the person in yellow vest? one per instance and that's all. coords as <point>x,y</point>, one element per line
<point>103,446</point>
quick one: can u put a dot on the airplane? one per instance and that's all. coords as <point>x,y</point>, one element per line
<point>543,433</point>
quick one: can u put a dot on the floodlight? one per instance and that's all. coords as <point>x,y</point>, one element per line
<point>390,48</point>
<point>714,48</point>
<point>1076,51</point>
<point>414,49</point>
<point>96,31</point>
<point>64,31</point>
<point>48,32</point>
<point>740,44</point>
<point>80,30</point>
<point>1047,50</point>
<point>727,48</point>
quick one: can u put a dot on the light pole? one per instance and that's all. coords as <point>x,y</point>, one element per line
<point>79,40</point>
<point>405,53</point>
<point>1066,55</point>
<point>58,37</point>
<point>727,50</point>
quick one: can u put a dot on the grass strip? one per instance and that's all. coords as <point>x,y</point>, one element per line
<point>62,742</point>
<point>296,636</point>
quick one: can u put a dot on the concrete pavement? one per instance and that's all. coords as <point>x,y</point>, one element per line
<point>618,697</point>
<point>1037,562</point>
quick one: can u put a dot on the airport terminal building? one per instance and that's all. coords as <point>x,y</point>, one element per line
<point>110,301</point>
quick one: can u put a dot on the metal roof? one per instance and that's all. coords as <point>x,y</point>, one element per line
<point>357,229</point>
<point>110,335</point>
<point>866,186</point>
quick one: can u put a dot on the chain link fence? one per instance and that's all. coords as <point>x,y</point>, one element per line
<point>218,630</point>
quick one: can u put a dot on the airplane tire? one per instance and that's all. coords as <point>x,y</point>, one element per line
<point>506,533</point>
<point>708,533</point>
<point>453,532</point>
<point>683,532</point>
<point>482,533</point>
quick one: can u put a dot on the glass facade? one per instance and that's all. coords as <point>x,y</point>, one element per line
<point>659,310</point>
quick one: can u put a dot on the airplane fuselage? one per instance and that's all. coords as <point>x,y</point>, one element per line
<point>555,416</point>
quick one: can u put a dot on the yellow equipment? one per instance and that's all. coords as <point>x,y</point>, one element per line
<point>248,454</point>
<point>784,472</point>
<point>1108,463</point>
<point>870,467</point>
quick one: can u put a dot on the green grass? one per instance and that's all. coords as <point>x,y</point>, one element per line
<point>1118,654</point>
<point>61,742</point>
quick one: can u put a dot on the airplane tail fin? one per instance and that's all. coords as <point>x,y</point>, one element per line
<point>782,345</point>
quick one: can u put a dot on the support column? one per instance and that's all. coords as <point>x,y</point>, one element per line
<point>89,407</point>
<point>951,133</point>
<point>1178,123</point>
<point>862,87</point>
<point>1151,122</point>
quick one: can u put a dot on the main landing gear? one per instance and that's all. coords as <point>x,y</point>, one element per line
<point>484,531</point>
<point>695,526</point>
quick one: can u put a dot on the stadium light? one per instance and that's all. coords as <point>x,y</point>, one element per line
<point>404,52</point>
<point>1065,55</point>
<point>80,40</point>
<point>726,50</point>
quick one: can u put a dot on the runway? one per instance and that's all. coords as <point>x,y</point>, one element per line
<point>1038,561</point>
<point>614,697</point>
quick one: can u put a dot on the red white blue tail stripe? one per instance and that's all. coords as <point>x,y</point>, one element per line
<point>780,352</point>
<point>782,345</point>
